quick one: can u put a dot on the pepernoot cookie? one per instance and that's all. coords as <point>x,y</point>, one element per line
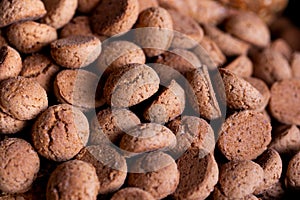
<point>86,6</point>
<point>60,132</point>
<point>275,192</point>
<point>22,98</point>
<point>76,51</point>
<point>121,16</point>
<point>238,179</point>
<point>132,193</point>
<point>74,179</point>
<point>285,100</point>
<point>111,167</point>
<point>79,25</point>
<point>292,178</point>
<point>244,135</point>
<point>281,46</point>
<point>19,165</point>
<point>295,64</point>
<point>241,66</point>
<point>147,4</point>
<point>16,10</point>
<point>59,12</point>
<point>10,125</point>
<point>125,87</point>
<point>198,174</point>
<point>10,63</point>
<point>30,36</point>
<point>218,195</point>
<point>156,173</point>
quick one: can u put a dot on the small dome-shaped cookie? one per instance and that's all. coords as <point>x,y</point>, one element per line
<point>10,62</point>
<point>131,193</point>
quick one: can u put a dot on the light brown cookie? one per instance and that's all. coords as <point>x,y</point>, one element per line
<point>132,193</point>
<point>218,195</point>
<point>76,51</point>
<point>244,135</point>
<point>111,167</point>
<point>201,93</point>
<point>121,16</point>
<point>74,179</point>
<point>147,137</point>
<point>19,165</point>
<point>248,27</point>
<point>275,192</point>
<point>295,64</point>
<point>40,68</point>
<point>10,63</point>
<point>79,25</point>
<point>10,125</point>
<point>292,178</point>
<point>241,66</point>
<point>112,123</point>
<point>285,100</point>
<point>22,98</point>
<point>167,105</point>
<point>15,10</point>
<point>240,94</point>
<point>281,46</point>
<point>30,36</point>
<point>240,178</point>
<point>125,87</point>
<point>198,174</point>
<point>60,132</point>
<point>59,12</point>
<point>154,31</point>
<point>155,173</point>
<point>86,6</point>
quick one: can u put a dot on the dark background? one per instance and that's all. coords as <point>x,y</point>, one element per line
<point>293,11</point>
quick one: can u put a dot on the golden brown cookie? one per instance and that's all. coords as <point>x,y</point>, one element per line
<point>111,167</point>
<point>198,174</point>
<point>86,6</point>
<point>281,46</point>
<point>59,12</point>
<point>10,125</point>
<point>292,178</point>
<point>218,195</point>
<point>76,51</point>
<point>60,132</point>
<point>74,179</point>
<point>155,173</point>
<point>132,193</point>
<point>121,16</point>
<point>10,63</point>
<point>79,25</point>
<point>16,10</point>
<point>241,66</point>
<point>295,64</point>
<point>30,36</point>
<point>19,165</point>
<point>285,100</point>
<point>22,98</point>
<point>244,135</point>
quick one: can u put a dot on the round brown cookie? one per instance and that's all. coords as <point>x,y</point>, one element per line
<point>249,27</point>
<point>10,125</point>
<point>154,31</point>
<point>241,66</point>
<point>284,102</point>
<point>275,192</point>
<point>156,173</point>
<point>292,177</point>
<point>16,10</point>
<point>60,132</point>
<point>240,94</point>
<point>113,123</point>
<point>263,89</point>
<point>125,87</point>
<point>218,195</point>
<point>188,33</point>
<point>281,46</point>
<point>238,179</point>
<point>79,25</point>
<point>76,51</point>
<point>132,193</point>
<point>59,12</point>
<point>10,63</point>
<point>286,139</point>
<point>244,135</point>
<point>271,163</point>
<point>181,6</point>
<point>111,167</point>
<point>229,45</point>
<point>201,93</point>
<point>295,64</point>
<point>115,54</point>
<point>198,174</point>
<point>167,105</point>
<point>40,68</point>
<point>78,88</point>
<point>121,16</point>
<point>22,98</point>
<point>74,179</point>
<point>147,137</point>
<point>191,132</point>
<point>30,36</point>
<point>19,165</point>
<point>147,4</point>
<point>86,6</point>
